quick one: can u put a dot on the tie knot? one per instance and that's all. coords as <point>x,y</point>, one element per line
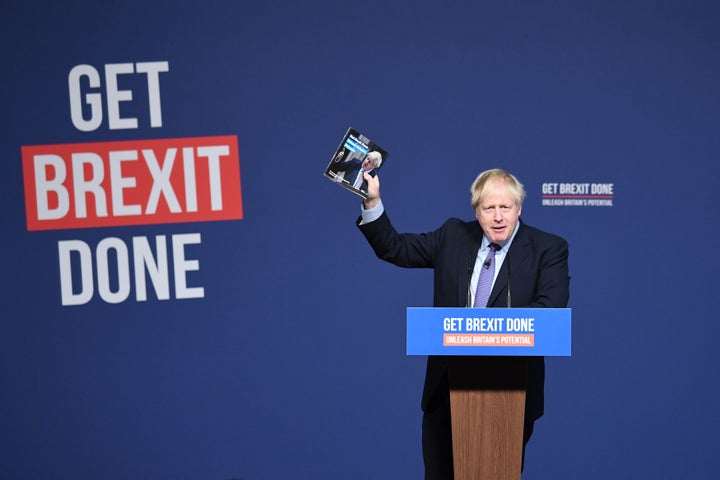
<point>495,247</point>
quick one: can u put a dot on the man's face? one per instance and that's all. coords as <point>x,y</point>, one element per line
<point>367,164</point>
<point>497,212</point>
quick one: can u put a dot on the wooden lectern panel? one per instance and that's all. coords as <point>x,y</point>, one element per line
<point>487,405</point>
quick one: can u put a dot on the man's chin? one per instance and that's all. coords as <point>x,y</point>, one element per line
<point>498,236</point>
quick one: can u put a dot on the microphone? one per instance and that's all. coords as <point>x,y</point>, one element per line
<point>468,295</point>
<point>487,263</point>
<point>507,261</point>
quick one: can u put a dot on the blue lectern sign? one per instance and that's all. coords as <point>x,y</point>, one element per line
<point>489,331</point>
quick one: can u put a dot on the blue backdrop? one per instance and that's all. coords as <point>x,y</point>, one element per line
<point>292,364</point>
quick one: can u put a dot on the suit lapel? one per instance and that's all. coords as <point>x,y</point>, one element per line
<point>466,262</point>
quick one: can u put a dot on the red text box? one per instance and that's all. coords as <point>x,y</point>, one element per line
<point>136,182</point>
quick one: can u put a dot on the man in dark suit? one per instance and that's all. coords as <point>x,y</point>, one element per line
<point>537,263</point>
<point>355,169</point>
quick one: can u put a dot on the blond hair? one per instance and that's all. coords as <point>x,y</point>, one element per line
<point>488,177</point>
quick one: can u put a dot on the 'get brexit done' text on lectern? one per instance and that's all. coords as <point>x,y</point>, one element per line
<point>487,353</point>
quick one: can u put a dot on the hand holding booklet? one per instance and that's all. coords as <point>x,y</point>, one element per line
<point>355,155</point>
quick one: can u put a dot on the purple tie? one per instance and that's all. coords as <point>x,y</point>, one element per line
<point>485,281</point>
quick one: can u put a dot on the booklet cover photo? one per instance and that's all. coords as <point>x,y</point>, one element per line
<point>355,155</point>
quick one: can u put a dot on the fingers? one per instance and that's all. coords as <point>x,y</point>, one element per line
<point>373,190</point>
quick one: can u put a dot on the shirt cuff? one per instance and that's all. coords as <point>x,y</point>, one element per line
<point>371,214</point>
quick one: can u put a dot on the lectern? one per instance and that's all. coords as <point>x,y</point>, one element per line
<point>487,353</point>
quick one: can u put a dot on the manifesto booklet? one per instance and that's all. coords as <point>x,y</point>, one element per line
<point>355,155</point>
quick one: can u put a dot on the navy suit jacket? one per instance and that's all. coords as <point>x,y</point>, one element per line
<point>538,278</point>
